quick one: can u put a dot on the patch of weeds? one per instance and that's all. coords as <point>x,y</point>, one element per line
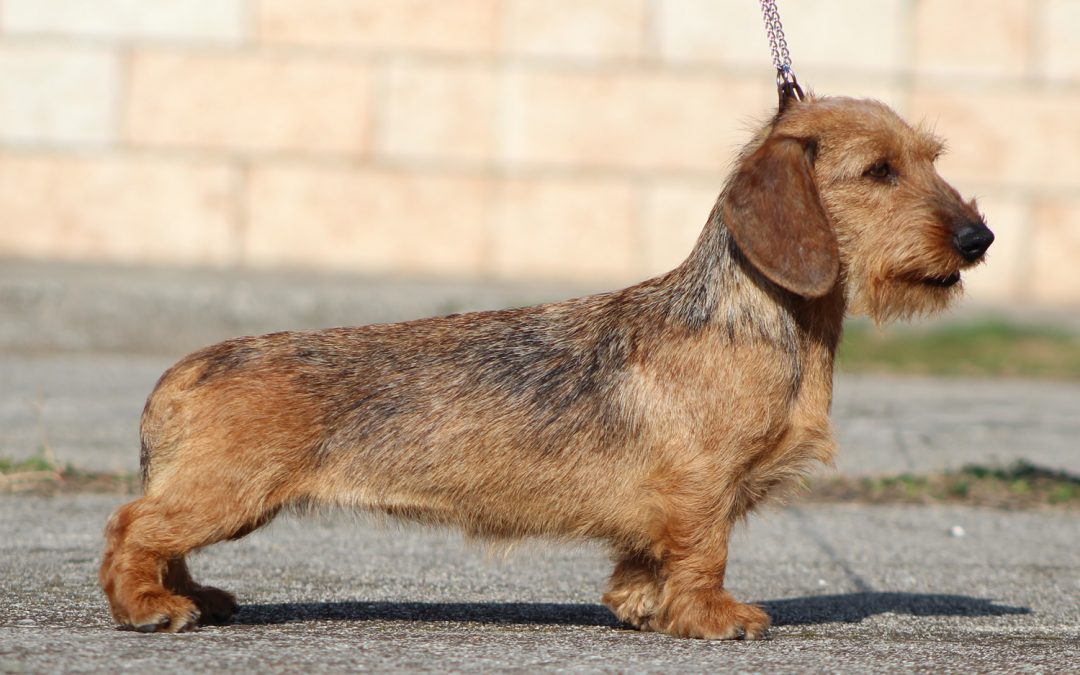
<point>1018,485</point>
<point>959,489</point>
<point>1064,492</point>
<point>42,475</point>
<point>34,464</point>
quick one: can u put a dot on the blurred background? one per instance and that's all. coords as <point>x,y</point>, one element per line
<point>580,140</point>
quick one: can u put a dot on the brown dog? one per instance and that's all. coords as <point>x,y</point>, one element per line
<point>652,418</point>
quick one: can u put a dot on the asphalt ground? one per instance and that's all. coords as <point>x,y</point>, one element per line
<point>850,588</point>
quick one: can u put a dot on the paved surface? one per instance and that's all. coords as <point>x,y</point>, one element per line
<point>850,589</point>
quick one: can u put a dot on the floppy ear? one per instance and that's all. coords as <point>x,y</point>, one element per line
<point>773,211</point>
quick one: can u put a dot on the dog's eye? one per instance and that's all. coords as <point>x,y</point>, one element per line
<point>880,171</point>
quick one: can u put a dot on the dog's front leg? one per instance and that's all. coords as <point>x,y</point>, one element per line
<point>693,601</point>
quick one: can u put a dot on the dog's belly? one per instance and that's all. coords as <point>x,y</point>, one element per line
<point>496,488</point>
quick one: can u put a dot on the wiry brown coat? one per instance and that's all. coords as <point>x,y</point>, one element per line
<point>652,418</point>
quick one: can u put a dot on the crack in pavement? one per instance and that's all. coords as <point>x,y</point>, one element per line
<point>818,538</point>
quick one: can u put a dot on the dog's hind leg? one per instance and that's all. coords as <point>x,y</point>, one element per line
<point>143,572</point>
<point>215,605</point>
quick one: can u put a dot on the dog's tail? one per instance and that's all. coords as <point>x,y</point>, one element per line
<point>155,438</point>
<point>144,463</point>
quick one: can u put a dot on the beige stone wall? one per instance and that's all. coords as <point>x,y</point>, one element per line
<point>571,139</point>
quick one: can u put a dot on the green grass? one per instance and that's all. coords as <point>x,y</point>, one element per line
<point>988,347</point>
<point>28,465</point>
<point>42,475</point>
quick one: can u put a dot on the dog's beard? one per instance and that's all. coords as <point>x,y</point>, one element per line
<point>891,299</point>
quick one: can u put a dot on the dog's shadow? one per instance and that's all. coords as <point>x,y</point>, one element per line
<point>854,607</point>
<point>847,608</point>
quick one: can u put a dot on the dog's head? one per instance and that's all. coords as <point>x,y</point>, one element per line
<point>844,191</point>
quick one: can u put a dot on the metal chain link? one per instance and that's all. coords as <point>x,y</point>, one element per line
<point>786,84</point>
<point>775,29</point>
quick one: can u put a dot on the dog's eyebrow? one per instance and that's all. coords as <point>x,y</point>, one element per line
<point>854,159</point>
<point>939,147</point>
<point>930,146</point>
<point>928,143</point>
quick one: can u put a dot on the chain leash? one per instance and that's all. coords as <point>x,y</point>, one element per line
<point>787,86</point>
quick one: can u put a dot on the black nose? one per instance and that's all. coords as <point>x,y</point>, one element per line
<point>972,239</point>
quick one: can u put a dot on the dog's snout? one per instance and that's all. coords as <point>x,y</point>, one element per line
<point>971,239</point>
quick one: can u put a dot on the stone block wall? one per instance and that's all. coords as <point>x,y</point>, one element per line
<point>511,139</point>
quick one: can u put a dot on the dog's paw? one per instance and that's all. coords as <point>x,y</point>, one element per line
<point>633,605</point>
<point>715,617</point>
<point>215,606</point>
<point>161,613</point>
